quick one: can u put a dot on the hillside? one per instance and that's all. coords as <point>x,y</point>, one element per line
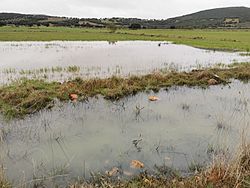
<point>219,17</point>
<point>236,17</point>
<point>21,19</point>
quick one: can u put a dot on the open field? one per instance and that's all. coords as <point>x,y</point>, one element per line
<point>212,39</point>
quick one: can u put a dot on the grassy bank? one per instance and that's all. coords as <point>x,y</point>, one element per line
<point>212,39</point>
<point>29,96</point>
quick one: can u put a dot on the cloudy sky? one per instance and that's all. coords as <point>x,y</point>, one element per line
<point>115,8</point>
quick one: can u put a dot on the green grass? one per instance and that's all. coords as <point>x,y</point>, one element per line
<point>29,96</point>
<point>211,39</point>
<point>64,33</point>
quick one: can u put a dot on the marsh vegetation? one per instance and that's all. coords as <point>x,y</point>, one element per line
<point>29,96</point>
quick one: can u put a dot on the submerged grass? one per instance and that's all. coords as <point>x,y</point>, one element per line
<point>29,96</point>
<point>3,181</point>
<point>222,173</point>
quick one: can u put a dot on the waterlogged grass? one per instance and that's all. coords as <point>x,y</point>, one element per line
<point>3,180</point>
<point>69,69</point>
<point>29,96</point>
<point>245,54</point>
<point>222,173</point>
<point>12,74</point>
<point>207,38</point>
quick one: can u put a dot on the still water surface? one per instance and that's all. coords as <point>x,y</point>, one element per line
<point>187,125</point>
<point>102,59</point>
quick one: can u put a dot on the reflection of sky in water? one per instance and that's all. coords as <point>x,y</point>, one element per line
<point>101,59</point>
<point>98,135</point>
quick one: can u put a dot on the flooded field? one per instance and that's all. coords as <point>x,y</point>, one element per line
<point>182,130</point>
<point>64,60</point>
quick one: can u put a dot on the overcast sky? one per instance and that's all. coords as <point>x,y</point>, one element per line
<point>115,8</point>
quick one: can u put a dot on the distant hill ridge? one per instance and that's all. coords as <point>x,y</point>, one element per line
<point>242,12</point>
<point>212,17</point>
<point>237,17</point>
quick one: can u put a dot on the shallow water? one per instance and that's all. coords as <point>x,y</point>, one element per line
<point>186,125</point>
<point>103,59</point>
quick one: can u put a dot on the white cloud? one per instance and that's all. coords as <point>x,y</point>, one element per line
<point>115,8</point>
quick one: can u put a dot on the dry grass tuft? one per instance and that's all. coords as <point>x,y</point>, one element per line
<point>3,181</point>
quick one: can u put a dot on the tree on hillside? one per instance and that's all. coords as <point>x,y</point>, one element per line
<point>112,27</point>
<point>2,24</point>
<point>135,26</point>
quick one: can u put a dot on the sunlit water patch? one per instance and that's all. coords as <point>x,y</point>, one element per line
<point>181,130</point>
<point>102,59</point>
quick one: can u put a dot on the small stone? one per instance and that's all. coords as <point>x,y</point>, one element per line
<point>153,98</point>
<point>136,164</point>
<point>73,97</point>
